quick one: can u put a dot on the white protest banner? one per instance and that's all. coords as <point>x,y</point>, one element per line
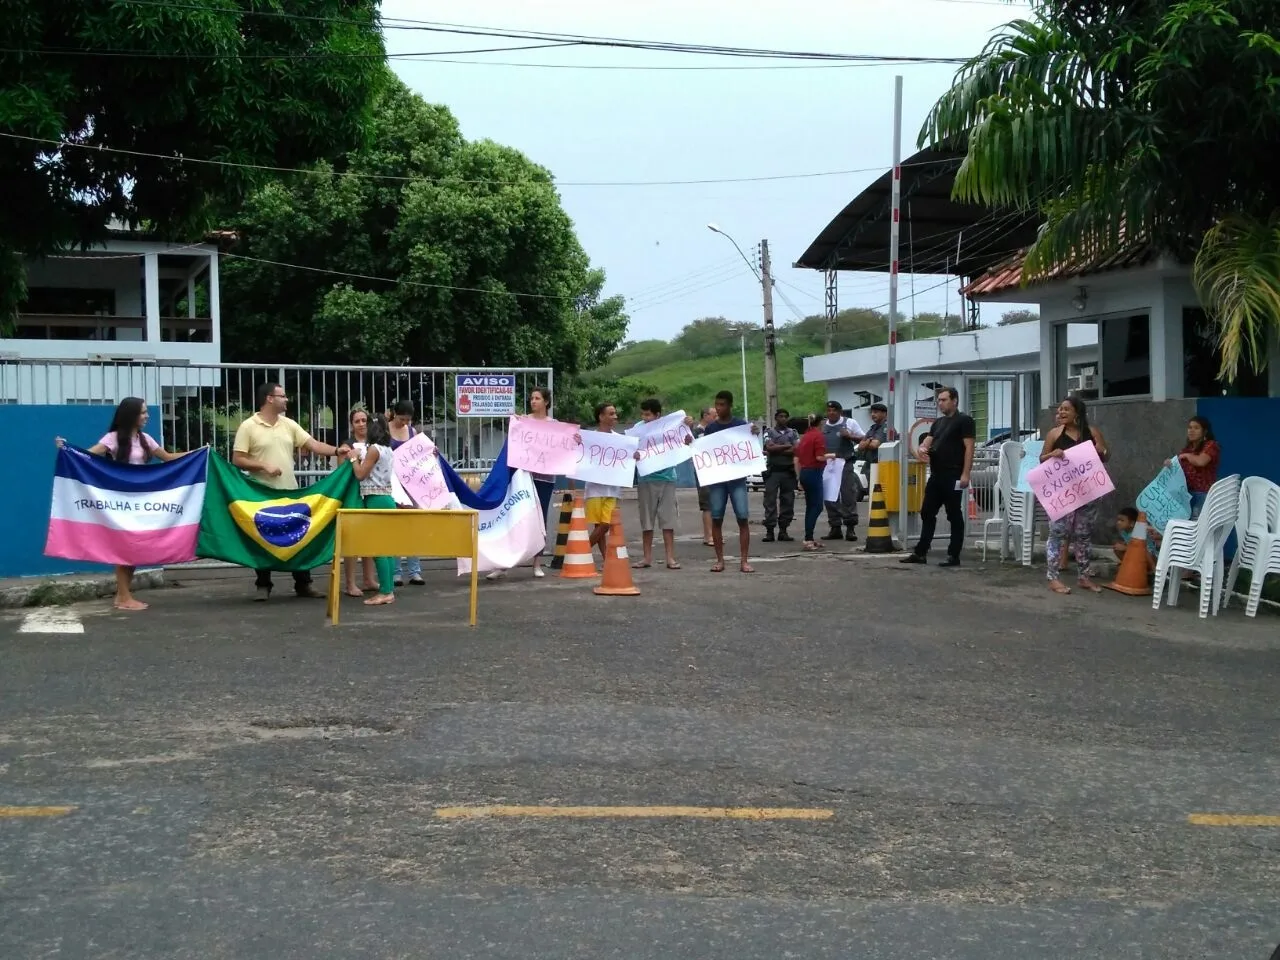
<point>512,533</point>
<point>728,455</point>
<point>1166,497</point>
<point>417,467</point>
<point>832,478</point>
<point>542,446</point>
<point>607,458</point>
<point>1066,483</point>
<point>662,443</point>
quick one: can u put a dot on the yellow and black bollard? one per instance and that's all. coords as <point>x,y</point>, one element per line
<point>879,538</point>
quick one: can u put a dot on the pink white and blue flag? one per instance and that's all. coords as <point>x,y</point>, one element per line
<point>120,513</point>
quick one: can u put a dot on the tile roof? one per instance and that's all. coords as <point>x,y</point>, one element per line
<point>1008,275</point>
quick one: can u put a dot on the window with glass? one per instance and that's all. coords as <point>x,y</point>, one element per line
<point>1121,365</point>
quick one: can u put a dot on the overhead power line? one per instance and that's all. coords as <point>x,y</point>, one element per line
<point>267,168</point>
<point>580,40</point>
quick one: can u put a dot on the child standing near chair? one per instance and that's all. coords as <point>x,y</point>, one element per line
<point>373,471</point>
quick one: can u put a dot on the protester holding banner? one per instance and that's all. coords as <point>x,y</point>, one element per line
<point>602,499</point>
<point>811,458</point>
<point>536,452</point>
<point>264,447</point>
<point>402,431</point>
<point>373,470</point>
<point>358,441</point>
<point>1199,461</point>
<point>126,441</point>
<point>734,492</point>
<point>705,416</point>
<point>656,492</point>
<point>1073,530</point>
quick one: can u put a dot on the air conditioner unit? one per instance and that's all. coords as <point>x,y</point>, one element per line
<point>1082,382</point>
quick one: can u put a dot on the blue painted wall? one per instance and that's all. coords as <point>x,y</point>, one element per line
<point>1245,429</point>
<point>27,486</point>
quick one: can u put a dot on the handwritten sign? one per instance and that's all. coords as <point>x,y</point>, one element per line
<point>1166,497</point>
<point>417,467</point>
<point>662,443</point>
<point>607,458</point>
<point>1066,483</point>
<point>728,455</point>
<point>541,446</point>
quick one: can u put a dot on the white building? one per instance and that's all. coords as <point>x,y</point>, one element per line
<point>135,317</point>
<point>995,369</point>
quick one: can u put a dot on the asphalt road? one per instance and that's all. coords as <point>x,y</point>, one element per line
<point>1004,774</point>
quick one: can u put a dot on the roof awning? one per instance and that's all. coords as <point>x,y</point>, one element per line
<point>938,235</point>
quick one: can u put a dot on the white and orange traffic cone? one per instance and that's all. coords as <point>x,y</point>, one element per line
<point>579,564</point>
<point>617,563</point>
<point>1131,577</point>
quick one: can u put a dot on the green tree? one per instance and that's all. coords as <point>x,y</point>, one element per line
<point>1010,317</point>
<point>1135,123</point>
<point>229,81</point>
<point>454,253</point>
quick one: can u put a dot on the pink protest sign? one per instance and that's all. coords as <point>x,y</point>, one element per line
<point>542,446</point>
<point>417,467</point>
<point>1066,483</point>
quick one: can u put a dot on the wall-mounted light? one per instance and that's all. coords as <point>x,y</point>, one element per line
<point>1080,300</point>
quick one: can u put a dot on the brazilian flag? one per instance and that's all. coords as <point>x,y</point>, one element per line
<point>255,526</point>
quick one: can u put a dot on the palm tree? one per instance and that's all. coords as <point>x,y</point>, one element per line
<point>1128,124</point>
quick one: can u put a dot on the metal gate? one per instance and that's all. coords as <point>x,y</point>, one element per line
<point>464,411</point>
<point>1003,406</point>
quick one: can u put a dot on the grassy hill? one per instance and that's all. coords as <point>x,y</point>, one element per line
<point>690,384</point>
<point>705,358</point>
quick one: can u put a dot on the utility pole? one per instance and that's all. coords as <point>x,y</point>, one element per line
<point>896,201</point>
<point>746,409</point>
<point>770,344</point>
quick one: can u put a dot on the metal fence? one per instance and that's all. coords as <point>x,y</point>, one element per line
<point>464,411</point>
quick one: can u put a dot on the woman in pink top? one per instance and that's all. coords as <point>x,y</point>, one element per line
<point>127,442</point>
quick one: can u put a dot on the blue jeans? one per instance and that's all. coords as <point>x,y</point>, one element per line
<point>720,495</point>
<point>1197,503</point>
<point>811,484</point>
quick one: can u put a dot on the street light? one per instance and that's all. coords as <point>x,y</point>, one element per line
<point>770,353</point>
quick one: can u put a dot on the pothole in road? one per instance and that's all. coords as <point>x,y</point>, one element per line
<point>320,728</point>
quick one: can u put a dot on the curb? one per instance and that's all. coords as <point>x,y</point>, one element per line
<point>56,591</point>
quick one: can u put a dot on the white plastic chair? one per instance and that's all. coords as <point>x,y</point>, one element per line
<point>1197,545</point>
<point>1017,508</point>
<point>1257,539</point>
<point>1006,477</point>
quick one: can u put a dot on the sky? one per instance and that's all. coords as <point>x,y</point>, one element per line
<point>617,139</point>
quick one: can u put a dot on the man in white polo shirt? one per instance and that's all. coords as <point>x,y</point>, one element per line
<point>264,447</point>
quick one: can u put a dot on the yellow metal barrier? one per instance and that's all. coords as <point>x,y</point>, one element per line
<point>405,533</point>
<point>888,474</point>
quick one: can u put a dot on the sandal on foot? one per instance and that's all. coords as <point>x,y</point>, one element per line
<point>718,567</point>
<point>1057,586</point>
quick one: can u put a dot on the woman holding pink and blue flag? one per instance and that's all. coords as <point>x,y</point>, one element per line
<point>126,442</point>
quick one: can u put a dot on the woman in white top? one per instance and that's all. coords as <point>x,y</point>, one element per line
<point>369,581</point>
<point>126,441</point>
<point>373,470</point>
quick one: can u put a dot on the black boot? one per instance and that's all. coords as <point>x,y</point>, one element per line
<point>768,535</point>
<point>784,536</point>
<point>834,534</point>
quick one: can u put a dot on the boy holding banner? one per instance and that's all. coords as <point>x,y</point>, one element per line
<point>602,499</point>
<point>721,495</point>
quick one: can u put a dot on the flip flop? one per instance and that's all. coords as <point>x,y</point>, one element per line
<point>641,565</point>
<point>354,593</point>
<point>673,565</point>
<point>718,567</point>
<point>747,568</point>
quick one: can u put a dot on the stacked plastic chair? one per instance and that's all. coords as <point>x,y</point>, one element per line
<point>1257,539</point>
<point>1197,545</point>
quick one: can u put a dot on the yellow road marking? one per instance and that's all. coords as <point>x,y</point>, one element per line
<point>35,811</point>
<point>713,813</point>
<point>1232,820</point>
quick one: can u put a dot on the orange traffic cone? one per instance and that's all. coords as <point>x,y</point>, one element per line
<point>579,564</point>
<point>1132,578</point>
<point>617,564</point>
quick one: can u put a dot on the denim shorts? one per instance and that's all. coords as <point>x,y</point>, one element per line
<point>720,495</point>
